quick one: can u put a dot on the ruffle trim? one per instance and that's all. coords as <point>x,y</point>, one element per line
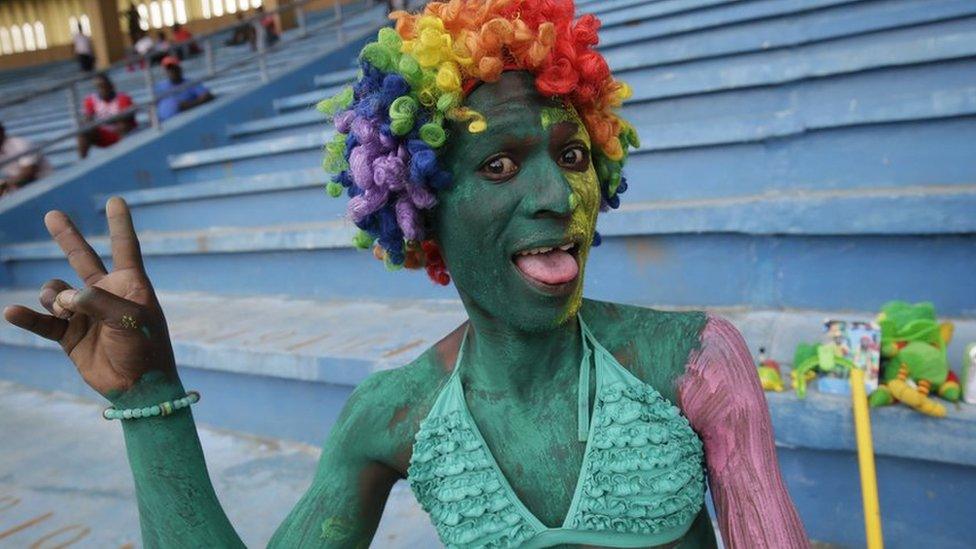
<point>456,482</point>
<point>645,472</point>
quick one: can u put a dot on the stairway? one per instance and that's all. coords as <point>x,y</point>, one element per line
<point>800,159</point>
<point>48,115</point>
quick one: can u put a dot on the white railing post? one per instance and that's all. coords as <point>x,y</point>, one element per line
<point>151,88</point>
<point>338,21</point>
<point>208,52</point>
<point>261,36</point>
<point>300,19</point>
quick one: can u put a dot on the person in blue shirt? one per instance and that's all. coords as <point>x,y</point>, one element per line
<point>183,100</point>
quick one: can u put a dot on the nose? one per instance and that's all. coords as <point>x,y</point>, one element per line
<point>548,193</point>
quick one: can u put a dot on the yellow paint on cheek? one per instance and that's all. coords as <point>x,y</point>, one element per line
<point>584,199</point>
<point>582,225</point>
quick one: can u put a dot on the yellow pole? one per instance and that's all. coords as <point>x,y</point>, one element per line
<point>865,459</point>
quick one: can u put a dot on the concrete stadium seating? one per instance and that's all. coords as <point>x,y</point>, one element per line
<point>800,159</point>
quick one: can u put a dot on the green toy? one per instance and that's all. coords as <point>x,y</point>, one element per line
<point>811,358</point>
<point>913,347</point>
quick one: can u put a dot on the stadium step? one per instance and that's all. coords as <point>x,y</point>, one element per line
<point>279,153</point>
<point>264,199</point>
<point>765,245</point>
<point>231,346</point>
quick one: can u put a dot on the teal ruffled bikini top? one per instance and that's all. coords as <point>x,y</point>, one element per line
<point>641,484</point>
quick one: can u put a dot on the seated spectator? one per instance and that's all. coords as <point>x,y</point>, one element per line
<point>25,169</point>
<point>161,49</point>
<point>83,50</point>
<point>104,103</point>
<point>243,33</point>
<point>183,39</point>
<point>183,100</point>
<point>269,25</point>
<point>143,46</point>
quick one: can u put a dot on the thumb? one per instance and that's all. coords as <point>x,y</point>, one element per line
<point>104,306</point>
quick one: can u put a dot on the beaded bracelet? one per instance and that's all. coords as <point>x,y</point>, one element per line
<point>161,409</point>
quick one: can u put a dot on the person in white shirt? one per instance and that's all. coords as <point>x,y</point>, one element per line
<point>83,50</point>
<point>25,169</point>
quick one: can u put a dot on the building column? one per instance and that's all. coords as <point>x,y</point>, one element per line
<point>106,32</point>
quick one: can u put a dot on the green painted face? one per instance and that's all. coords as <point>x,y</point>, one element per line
<point>524,184</point>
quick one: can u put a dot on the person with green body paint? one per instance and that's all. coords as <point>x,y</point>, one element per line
<point>515,230</point>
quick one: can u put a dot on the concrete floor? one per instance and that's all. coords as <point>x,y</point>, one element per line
<point>64,480</point>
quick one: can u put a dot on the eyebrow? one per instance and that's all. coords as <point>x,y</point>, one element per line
<point>561,131</point>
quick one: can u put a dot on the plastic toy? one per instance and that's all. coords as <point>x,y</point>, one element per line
<point>811,358</point>
<point>769,373</point>
<point>914,363</point>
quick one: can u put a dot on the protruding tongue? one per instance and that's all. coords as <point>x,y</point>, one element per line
<point>555,267</point>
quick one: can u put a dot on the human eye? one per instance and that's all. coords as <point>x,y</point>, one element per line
<point>575,156</point>
<point>498,167</point>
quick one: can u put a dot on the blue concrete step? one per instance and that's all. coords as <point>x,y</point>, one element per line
<point>766,247</point>
<point>931,43</point>
<point>277,126</point>
<point>899,49</point>
<point>290,356</point>
<point>662,43</point>
<point>305,348</point>
<point>244,159</point>
<point>306,100</point>
<point>874,135</point>
<point>309,99</point>
<point>335,78</point>
<point>295,360</point>
<point>265,199</point>
<point>297,196</point>
<point>629,12</point>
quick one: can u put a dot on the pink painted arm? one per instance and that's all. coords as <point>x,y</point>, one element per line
<point>722,398</point>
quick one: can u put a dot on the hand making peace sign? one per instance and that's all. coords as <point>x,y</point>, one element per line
<point>113,328</point>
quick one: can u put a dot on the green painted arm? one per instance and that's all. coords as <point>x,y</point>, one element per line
<point>177,503</point>
<point>343,506</point>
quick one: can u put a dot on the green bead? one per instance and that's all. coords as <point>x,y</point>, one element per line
<point>136,413</point>
<point>154,411</point>
<point>126,414</point>
<point>107,413</point>
<point>146,412</point>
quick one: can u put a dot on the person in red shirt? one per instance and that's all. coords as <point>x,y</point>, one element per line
<point>104,103</point>
<point>185,45</point>
<point>270,25</point>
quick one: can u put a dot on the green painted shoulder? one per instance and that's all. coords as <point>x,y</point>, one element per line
<point>653,344</point>
<point>387,407</point>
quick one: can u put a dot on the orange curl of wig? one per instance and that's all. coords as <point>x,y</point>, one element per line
<point>477,40</point>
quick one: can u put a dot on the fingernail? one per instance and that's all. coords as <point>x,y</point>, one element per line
<point>48,295</point>
<point>66,297</point>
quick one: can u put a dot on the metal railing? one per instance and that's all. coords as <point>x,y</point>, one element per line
<point>260,53</point>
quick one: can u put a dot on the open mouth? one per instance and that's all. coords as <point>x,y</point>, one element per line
<point>549,267</point>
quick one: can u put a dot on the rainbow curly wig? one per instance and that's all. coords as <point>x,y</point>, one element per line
<point>391,122</point>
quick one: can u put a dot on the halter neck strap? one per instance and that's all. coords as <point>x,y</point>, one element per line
<point>583,390</point>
